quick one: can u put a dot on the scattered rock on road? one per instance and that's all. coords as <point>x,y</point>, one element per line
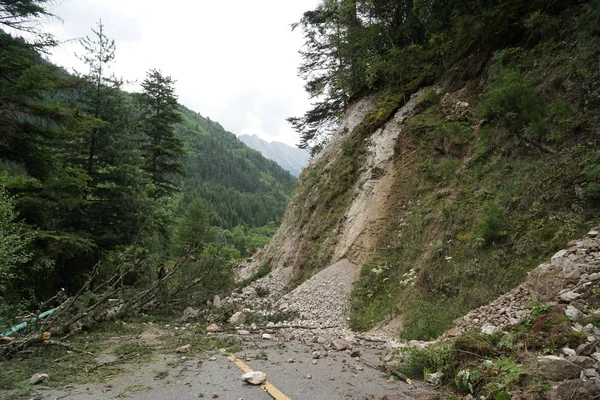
<point>339,344</point>
<point>254,377</point>
<point>213,328</point>
<point>184,349</point>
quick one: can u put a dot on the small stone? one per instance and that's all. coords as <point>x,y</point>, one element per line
<point>489,329</point>
<point>573,313</point>
<point>184,349</point>
<point>355,353</point>
<point>583,362</point>
<point>358,367</point>
<point>569,297</point>
<point>243,332</point>
<point>213,328</point>
<point>316,355</point>
<point>591,373</point>
<point>331,378</point>
<point>217,301</point>
<point>189,314</point>
<point>586,349</point>
<point>596,356</point>
<point>569,352</point>
<point>267,336</point>
<point>215,396</point>
<point>434,379</point>
<point>308,376</point>
<point>291,360</point>
<point>238,318</point>
<point>254,377</point>
<point>593,233</point>
<point>339,344</point>
<point>314,362</point>
<point>212,359</point>
<point>37,378</point>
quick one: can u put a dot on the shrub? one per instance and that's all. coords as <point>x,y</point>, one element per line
<point>491,225</point>
<point>512,102</point>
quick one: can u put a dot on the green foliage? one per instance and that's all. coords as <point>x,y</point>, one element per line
<point>428,318</point>
<point>193,228</point>
<point>241,186</point>
<point>467,379</point>
<point>356,45</point>
<point>163,149</point>
<point>491,226</point>
<point>15,244</point>
<point>435,358</point>
<point>511,101</point>
<point>371,298</point>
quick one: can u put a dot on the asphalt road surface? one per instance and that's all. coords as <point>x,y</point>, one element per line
<point>292,373</point>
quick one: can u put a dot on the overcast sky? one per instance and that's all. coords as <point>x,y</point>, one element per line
<point>235,61</point>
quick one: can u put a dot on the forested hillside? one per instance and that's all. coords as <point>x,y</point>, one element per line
<point>101,185</point>
<point>242,186</point>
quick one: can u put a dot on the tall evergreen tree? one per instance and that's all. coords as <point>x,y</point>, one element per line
<point>162,149</point>
<point>117,196</point>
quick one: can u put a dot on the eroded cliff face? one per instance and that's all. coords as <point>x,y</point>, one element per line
<point>353,236</point>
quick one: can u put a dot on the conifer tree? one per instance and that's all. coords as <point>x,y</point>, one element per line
<point>162,150</point>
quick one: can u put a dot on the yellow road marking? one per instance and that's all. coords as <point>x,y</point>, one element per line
<point>266,386</point>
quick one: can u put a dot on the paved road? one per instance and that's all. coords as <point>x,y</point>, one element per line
<point>335,376</point>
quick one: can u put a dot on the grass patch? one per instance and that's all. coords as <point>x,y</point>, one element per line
<point>63,369</point>
<point>201,342</point>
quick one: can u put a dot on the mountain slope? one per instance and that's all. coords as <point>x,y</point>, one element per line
<point>445,199</point>
<point>242,186</point>
<point>290,158</point>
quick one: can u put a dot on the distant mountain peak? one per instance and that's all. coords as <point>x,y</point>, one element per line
<point>288,157</point>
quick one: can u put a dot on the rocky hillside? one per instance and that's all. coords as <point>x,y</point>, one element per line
<point>445,202</point>
<point>289,158</point>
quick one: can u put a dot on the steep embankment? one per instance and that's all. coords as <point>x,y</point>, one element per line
<point>448,201</point>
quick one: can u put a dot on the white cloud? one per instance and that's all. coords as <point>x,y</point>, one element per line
<point>234,60</point>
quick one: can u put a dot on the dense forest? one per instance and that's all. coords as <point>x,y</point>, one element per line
<point>95,179</point>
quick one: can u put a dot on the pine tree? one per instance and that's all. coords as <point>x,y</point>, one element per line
<point>117,193</point>
<point>162,150</point>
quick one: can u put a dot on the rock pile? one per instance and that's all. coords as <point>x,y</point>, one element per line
<point>569,283</point>
<point>319,303</point>
<point>563,280</point>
